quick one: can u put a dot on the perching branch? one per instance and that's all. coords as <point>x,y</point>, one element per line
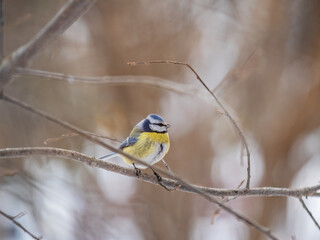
<point>13,219</point>
<point>240,133</point>
<point>116,81</point>
<point>181,182</point>
<point>150,178</point>
<point>68,14</point>
<point>308,211</point>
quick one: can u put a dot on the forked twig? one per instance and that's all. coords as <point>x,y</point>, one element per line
<point>225,200</point>
<point>308,211</point>
<point>240,133</point>
<point>19,225</point>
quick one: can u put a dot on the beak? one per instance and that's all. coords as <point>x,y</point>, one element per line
<point>168,125</point>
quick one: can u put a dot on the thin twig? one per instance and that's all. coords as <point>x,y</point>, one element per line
<point>116,81</point>
<point>218,192</point>
<point>181,182</point>
<point>19,215</point>
<point>12,219</point>
<point>308,211</point>
<point>240,133</point>
<point>67,15</point>
<point>166,166</point>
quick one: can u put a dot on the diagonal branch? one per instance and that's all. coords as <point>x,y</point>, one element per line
<point>68,14</point>
<point>308,211</point>
<point>150,178</point>
<point>12,219</point>
<point>240,133</point>
<point>69,126</point>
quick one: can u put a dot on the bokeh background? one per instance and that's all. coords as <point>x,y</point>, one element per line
<point>261,57</point>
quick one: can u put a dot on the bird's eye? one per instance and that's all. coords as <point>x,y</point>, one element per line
<point>160,124</point>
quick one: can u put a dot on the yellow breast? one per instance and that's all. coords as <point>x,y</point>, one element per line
<point>147,144</point>
<point>156,137</point>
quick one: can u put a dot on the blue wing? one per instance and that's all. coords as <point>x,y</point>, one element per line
<point>128,142</point>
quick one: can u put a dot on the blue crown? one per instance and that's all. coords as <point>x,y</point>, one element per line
<point>156,117</point>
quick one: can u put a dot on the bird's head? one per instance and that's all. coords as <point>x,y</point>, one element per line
<point>153,123</point>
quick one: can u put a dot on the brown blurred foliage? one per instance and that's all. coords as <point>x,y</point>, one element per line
<point>271,86</point>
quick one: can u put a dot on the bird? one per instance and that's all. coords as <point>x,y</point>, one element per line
<point>148,141</point>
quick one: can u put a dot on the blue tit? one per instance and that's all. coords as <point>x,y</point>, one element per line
<point>148,141</point>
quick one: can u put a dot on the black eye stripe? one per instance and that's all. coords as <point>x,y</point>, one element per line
<point>159,124</point>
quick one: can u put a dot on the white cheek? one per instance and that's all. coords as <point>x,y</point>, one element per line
<point>157,128</point>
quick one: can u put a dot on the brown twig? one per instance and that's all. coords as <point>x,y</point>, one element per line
<point>116,81</point>
<point>308,211</point>
<point>166,166</point>
<point>68,14</point>
<point>181,182</point>
<point>240,133</point>
<point>12,219</point>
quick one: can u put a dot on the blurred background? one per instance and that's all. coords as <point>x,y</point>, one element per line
<point>262,58</point>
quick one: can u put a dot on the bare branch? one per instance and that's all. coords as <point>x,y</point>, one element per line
<point>308,211</point>
<point>19,215</point>
<point>68,14</point>
<point>240,133</point>
<point>116,81</point>
<point>93,162</point>
<point>181,182</point>
<point>12,219</point>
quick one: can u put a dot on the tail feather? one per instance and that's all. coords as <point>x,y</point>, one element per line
<point>110,155</point>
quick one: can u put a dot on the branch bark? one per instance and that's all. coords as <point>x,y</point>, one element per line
<point>68,14</point>
<point>150,178</point>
